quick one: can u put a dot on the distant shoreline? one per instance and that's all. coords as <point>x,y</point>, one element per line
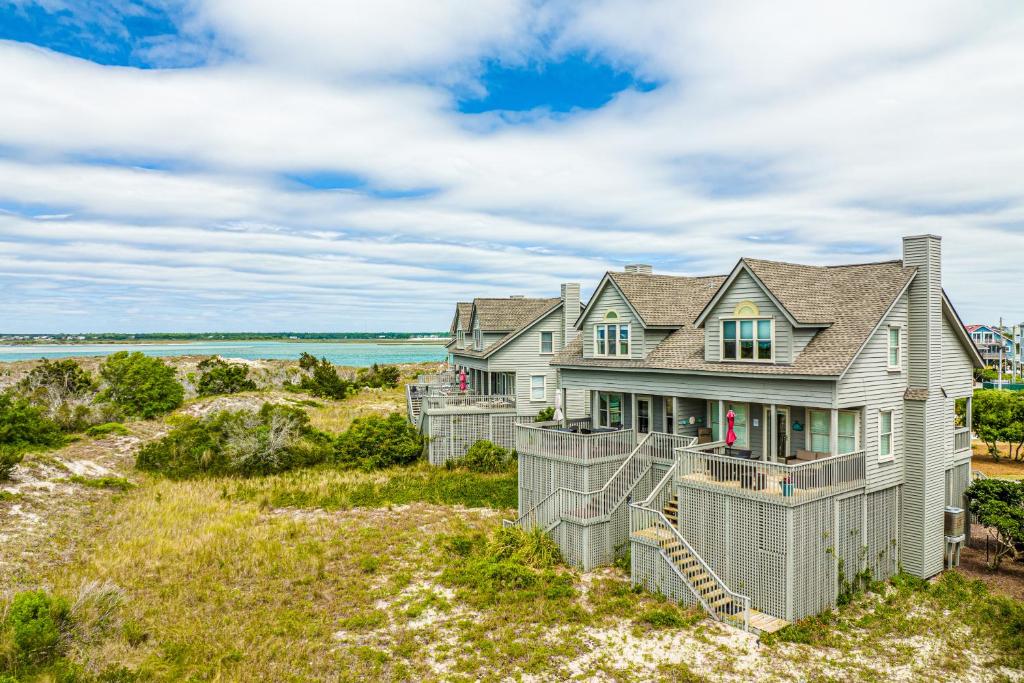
<point>200,340</point>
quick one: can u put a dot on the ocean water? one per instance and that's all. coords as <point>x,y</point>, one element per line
<point>356,354</point>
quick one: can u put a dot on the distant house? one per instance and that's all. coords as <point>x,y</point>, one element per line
<point>760,438</point>
<point>989,340</point>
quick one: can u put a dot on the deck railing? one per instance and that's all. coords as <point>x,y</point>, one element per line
<point>961,439</point>
<point>534,440</point>
<point>565,503</point>
<point>449,377</point>
<point>456,401</point>
<point>708,467</point>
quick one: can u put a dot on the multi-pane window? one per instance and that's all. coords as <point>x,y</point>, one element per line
<point>460,337</point>
<point>894,348</point>
<point>819,431</point>
<point>670,415</point>
<point>478,339</point>
<point>885,435</point>
<point>547,342</point>
<point>609,412</point>
<point>747,339</point>
<point>611,339</point>
<point>538,390</point>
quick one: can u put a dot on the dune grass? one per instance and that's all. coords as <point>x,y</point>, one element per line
<point>334,489</point>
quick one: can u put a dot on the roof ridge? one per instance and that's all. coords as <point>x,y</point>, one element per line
<point>824,266</point>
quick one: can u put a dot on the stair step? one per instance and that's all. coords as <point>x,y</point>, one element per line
<point>765,622</point>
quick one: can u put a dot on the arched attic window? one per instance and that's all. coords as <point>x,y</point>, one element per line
<point>612,338</point>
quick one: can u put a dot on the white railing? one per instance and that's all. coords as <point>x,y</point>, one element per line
<point>709,467</point>
<point>455,401</point>
<point>535,440</point>
<point>449,377</point>
<point>565,503</point>
<point>962,439</point>
<point>645,517</point>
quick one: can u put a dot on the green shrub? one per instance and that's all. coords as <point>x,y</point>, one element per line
<point>999,505</point>
<point>245,443</point>
<point>373,442</point>
<point>221,377</point>
<point>24,425</point>
<point>484,456</point>
<point>38,624</point>
<point>53,381</point>
<point>323,379</point>
<point>379,376</point>
<point>545,415</point>
<point>108,429</point>
<point>669,617</point>
<point>140,385</point>
<point>9,459</point>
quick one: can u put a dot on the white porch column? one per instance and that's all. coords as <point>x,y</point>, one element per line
<point>833,432</point>
<point>773,435</point>
<point>969,414</point>
<point>720,436</point>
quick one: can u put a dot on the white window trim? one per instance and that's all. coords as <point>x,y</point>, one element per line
<point>622,407</point>
<point>540,343</point>
<point>545,397</point>
<point>721,340</point>
<point>857,444</point>
<point>460,338</point>
<point>629,342</point>
<point>899,348</point>
<point>892,436</point>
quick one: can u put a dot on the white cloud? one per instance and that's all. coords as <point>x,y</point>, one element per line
<point>860,122</point>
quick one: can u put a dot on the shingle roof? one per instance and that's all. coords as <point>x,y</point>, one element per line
<point>666,300</point>
<point>850,299</point>
<point>510,315</point>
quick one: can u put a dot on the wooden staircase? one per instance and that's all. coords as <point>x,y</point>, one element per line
<point>720,603</point>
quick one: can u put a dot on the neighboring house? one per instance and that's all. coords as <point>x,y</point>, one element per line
<point>509,343</point>
<point>459,330</point>
<point>990,342</point>
<point>842,383</point>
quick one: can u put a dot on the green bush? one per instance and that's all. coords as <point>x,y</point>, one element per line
<point>373,442</point>
<point>545,415</point>
<point>38,624</point>
<point>140,385</point>
<point>57,380</point>
<point>108,429</point>
<point>245,443</point>
<point>221,377</point>
<point>379,376</point>
<point>323,380</point>
<point>999,505</point>
<point>9,459</point>
<point>23,425</point>
<point>484,456</point>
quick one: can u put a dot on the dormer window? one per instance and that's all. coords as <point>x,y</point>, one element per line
<point>478,338</point>
<point>612,338</point>
<point>748,339</point>
<point>460,338</point>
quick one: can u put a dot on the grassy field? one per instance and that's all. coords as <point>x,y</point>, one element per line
<point>404,574</point>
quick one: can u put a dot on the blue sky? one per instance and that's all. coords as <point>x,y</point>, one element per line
<point>237,165</point>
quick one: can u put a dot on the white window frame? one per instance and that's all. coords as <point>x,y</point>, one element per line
<point>892,439</point>
<point>544,389</point>
<point>478,338</point>
<point>460,338</point>
<point>622,408</point>
<point>608,339</point>
<point>541,342</point>
<point>668,411</point>
<point>899,348</point>
<point>856,430</point>
<point>754,320</point>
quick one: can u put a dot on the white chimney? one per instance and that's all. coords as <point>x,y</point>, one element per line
<point>641,268</point>
<point>571,309</point>
<point>921,533</point>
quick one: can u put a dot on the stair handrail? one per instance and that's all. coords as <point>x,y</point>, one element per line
<point>660,517</point>
<point>567,492</point>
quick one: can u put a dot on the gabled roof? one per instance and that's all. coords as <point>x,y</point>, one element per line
<point>463,311</point>
<point>961,331</point>
<point>511,316</point>
<point>851,300</point>
<point>665,300</point>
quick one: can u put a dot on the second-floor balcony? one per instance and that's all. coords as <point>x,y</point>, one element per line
<point>715,467</point>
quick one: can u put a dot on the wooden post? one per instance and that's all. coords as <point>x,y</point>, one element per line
<point>833,432</point>
<point>969,415</point>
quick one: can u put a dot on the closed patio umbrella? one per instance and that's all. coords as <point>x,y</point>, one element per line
<point>462,379</point>
<point>730,436</point>
<point>558,416</point>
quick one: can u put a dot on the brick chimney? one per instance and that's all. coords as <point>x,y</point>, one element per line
<point>924,459</point>
<point>571,297</point>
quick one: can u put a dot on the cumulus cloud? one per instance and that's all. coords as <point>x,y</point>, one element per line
<point>804,131</point>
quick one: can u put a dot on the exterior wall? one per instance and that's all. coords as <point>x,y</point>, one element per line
<point>608,300</point>
<point>745,288</point>
<point>522,356</point>
<point>869,383</point>
<point>797,392</point>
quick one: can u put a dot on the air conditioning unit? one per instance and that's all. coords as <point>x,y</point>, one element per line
<point>955,521</point>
